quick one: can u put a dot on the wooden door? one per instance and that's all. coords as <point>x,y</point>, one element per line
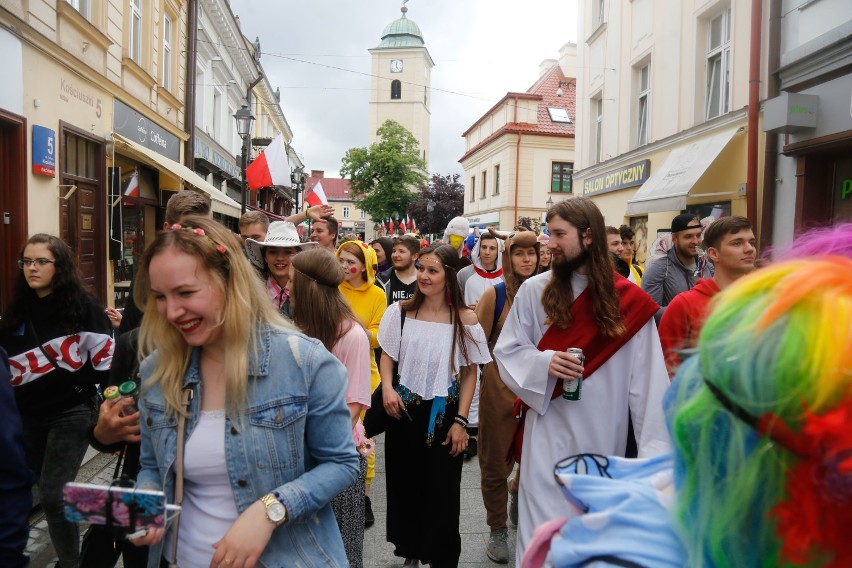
<point>83,221</point>
<point>13,200</point>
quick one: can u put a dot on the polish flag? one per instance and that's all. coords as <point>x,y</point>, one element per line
<point>401,227</point>
<point>316,195</point>
<point>272,167</point>
<point>390,226</point>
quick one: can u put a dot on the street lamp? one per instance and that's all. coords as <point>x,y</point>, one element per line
<point>244,119</point>
<point>549,201</point>
<point>567,83</point>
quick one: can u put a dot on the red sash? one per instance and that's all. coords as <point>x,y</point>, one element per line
<point>636,308</point>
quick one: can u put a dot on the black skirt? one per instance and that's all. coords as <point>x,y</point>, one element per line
<point>423,487</point>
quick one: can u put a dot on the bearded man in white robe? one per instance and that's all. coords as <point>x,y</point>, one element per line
<point>580,303</point>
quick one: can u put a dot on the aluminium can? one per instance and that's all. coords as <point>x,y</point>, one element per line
<point>572,388</point>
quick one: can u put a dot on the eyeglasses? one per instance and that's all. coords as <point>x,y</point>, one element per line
<point>41,262</point>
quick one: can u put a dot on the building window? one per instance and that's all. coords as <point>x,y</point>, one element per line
<point>560,179</point>
<point>644,100</point>
<point>167,52</point>
<point>472,189</point>
<point>718,65</point>
<point>396,89</point>
<point>599,12</point>
<point>345,211</point>
<point>135,43</point>
<point>82,6</point>
<point>497,179</point>
<point>484,185</point>
<point>597,108</point>
<point>217,113</point>
<point>362,214</point>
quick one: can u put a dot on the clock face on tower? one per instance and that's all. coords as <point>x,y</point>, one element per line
<point>396,66</point>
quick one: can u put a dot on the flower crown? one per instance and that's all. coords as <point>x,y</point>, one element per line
<point>201,233</point>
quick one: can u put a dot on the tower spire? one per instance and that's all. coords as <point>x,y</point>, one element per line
<point>404,9</point>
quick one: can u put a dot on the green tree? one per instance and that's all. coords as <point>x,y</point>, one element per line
<point>380,176</point>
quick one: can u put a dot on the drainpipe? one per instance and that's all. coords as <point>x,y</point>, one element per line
<point>189,107</point>
<point>753,110</point>
<point>770,159</point>
<point>517,163</point>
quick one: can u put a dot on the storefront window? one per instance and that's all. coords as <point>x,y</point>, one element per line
<point>842,210</point>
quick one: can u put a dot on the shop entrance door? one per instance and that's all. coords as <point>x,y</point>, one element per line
<point>13,199</point>
<point>82,218</point>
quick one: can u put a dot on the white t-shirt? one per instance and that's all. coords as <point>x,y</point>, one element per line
<point>208,508</point>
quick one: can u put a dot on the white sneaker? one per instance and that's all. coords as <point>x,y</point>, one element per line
<point>498,546</point>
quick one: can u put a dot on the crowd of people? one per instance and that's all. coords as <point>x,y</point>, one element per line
<point>687,412</point>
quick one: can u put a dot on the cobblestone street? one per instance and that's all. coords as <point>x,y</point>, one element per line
<point>98,468</point>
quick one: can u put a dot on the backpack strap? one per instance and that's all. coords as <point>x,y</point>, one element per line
<point>500,289</point>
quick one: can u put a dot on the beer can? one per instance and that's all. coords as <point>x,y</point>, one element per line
<point>572,388</point>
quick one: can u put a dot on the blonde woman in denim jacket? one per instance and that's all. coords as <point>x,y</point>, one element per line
<point>268,437</point>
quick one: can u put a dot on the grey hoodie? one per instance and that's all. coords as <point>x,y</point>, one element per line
<point>667,277</point>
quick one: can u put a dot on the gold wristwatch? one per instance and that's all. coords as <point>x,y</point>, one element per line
<point>276,512</point>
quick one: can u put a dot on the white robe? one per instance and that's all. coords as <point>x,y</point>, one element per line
<point>634,378</point>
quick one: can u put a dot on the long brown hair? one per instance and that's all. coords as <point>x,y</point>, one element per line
<point>558,294</point>
<point>449,258</point>
<point>318,307</point>
<point>67,289</point>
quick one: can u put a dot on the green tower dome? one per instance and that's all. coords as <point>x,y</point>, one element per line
<point>402,33</point>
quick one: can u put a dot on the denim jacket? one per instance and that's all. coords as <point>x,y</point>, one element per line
<point>296,437</point>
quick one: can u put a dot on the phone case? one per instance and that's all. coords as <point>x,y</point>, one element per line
<point>131,508</point>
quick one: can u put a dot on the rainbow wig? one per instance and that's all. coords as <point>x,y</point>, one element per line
<point>836,240</point>
<point>761,421</point>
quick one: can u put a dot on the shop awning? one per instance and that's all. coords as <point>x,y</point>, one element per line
<point>669,186</point>
<point>220,202</point>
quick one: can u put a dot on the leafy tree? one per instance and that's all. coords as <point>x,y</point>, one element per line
<point>439,202</point>
<point>380,176</point>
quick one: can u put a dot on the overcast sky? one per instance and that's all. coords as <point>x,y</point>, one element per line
<point>316,52</point>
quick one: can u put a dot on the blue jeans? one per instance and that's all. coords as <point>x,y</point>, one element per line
<point>55,447</point>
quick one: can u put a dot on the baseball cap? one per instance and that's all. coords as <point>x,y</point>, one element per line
<point>685,221</point>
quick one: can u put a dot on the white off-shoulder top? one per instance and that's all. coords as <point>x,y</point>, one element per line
<point>423,352</point>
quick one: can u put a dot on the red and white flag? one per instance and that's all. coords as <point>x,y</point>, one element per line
<point>132,189</point>
<point>317,195</point>
<point>401,227</point>
<point>391,227</point>
<point>272,167</point>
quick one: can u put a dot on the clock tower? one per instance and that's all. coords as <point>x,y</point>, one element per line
<point>401,76</point>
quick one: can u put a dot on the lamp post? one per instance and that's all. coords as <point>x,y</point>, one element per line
<point>566,83</point>
<point>549,201</point>
<point>244,119</point>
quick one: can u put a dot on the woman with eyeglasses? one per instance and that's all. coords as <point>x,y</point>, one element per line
<point>60,346</point>
<point>436,349</point>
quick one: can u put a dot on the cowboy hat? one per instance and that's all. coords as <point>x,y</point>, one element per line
<point>280,234</point>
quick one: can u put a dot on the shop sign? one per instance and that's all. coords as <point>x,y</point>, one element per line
<point>133,126</point>
<point>790,112</point>
<point>630,175</point>
<point>205,152</point>
<point>44,151</point>
<point>485,219</point>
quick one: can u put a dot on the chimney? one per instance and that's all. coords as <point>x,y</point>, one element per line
<point>318,174</point>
